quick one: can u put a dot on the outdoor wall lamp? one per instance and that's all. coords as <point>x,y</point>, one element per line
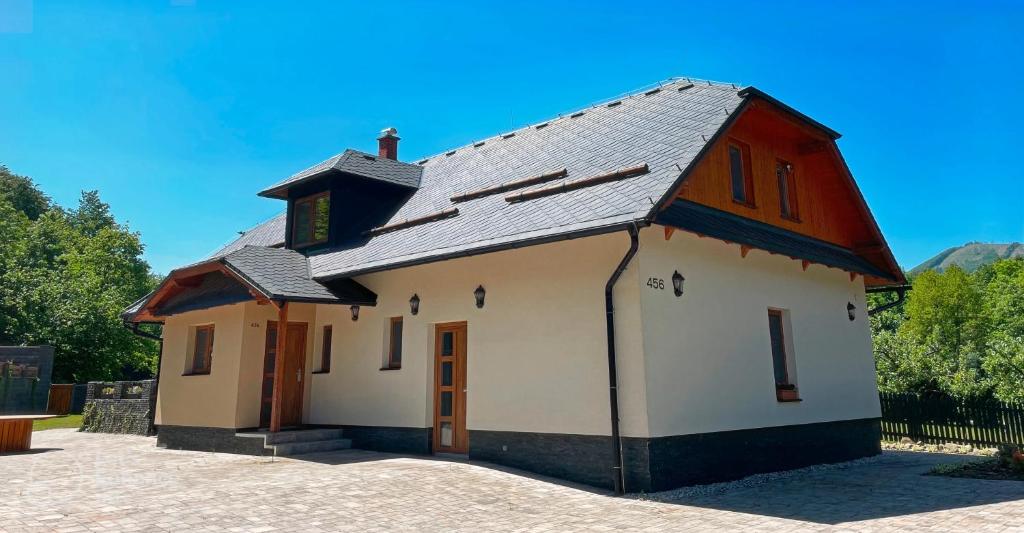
<point>355,313</point>
<point>677,283</point>
<point>414,304</point>
<point>479,293</point>
<point>851,311</point>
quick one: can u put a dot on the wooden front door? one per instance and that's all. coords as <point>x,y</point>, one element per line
<point>450,388</point>
<point>294,372</point>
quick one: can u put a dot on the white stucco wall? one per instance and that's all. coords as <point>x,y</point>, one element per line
<point>536,352</point>
<point>229,397</point>
<point>201,400</point>
<point>708,357</point>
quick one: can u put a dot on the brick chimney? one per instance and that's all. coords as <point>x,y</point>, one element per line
<point>387,144</point>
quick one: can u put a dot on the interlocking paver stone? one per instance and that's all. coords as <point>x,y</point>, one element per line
<point>82,481</point>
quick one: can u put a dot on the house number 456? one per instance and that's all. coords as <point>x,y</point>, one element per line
<point>656,283</point>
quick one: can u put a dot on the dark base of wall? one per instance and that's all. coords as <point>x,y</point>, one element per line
<point>668,462</point>
<point>208,440</point>
<point>390,439</point>
<point>651,465</point>
<point>682,460</point>
<point>583,459</point>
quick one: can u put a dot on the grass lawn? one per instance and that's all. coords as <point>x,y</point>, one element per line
<point>67,421</point>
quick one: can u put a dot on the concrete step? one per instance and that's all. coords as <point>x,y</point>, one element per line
<point>302,435</point>
<point>298,448</point>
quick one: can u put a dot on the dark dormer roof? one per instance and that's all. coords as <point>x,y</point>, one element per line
<point>356,163</point>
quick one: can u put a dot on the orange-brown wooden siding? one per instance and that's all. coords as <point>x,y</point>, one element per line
<point>828,206</point>
<point>824,199</point>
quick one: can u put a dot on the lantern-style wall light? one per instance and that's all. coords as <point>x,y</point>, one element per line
<point>677,283</point>
<point>479,293</point>
<point>851,311</point>
<point>355,313</point>
<point>414,304</point>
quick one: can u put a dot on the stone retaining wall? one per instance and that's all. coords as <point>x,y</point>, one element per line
<point>119,407</point>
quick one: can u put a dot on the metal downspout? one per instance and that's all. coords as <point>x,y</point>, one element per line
<point>613,394</point>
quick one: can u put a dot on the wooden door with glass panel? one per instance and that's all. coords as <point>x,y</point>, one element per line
<point>450,388</point>
<point>291,387</point>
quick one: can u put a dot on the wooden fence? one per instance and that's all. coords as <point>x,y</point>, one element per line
<point>937,418</point>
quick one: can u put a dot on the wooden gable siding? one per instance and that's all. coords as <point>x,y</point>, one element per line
<point>828,205</point>
<point>824,204</point>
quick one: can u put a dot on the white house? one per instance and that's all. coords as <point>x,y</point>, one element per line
<point>660,290</point>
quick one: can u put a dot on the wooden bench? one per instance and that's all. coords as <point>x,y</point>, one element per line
<point>16,432</point>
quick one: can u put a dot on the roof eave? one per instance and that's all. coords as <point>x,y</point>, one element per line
<point>544,239</point>
<point>754,91</point>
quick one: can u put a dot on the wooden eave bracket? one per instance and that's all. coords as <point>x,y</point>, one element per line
<point>669,230</point>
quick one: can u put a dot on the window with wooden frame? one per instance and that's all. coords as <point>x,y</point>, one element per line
<point>782,363</point>
<point>787,190</point>
<point>310,219</point>
<point>393,357</point>
<point>740,173</point>
<point>325,351</point>
<point>202,351</point>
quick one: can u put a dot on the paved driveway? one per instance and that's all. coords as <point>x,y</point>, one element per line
<point>79,482</point>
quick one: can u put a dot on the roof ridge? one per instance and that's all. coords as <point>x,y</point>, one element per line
<point>575,111</point>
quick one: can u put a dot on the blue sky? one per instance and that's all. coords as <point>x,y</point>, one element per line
<point>178,112</point>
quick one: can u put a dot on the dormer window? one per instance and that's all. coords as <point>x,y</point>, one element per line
<point>310,220</point>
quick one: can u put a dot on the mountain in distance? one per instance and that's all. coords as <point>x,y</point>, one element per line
<point>971,256</point>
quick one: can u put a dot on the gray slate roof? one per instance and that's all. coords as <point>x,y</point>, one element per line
<point>269,234</point>
<point>277,272</point>
<point>665,129</point>
<point>282,274</point>
<point>357,163</point>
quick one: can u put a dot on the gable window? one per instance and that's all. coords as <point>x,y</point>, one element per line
<point>740,173</point>
<point>310,219</point>
<point>394,354</point>
<point>325,351</point>
<point>202,350</point>
<point>787,190</point>
<point>785,385</point>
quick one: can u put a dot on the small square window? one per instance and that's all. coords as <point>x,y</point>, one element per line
<point>787,190</point>
<point>202,351</point>
<point>325,351</point>
<point>782,361</point>
<point>394,353</point>
<point>310,219</point>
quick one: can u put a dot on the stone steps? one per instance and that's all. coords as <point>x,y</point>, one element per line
<point>302,441</point>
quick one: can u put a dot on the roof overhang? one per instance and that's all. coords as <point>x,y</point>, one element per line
<point>709,222</point>
<point>149,308</point>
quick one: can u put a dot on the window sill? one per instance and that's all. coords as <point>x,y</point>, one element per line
<point>744,204</point>
<point>390,368</point>
<point>791,219</point>
<point>318,372</point>
<point>195,374</point>
<point>784,395</point>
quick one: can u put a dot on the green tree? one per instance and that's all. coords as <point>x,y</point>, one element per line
<point>65,277</point>
<point>22,193</point>
<point>947,320</point>
<point>1004,364</point>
